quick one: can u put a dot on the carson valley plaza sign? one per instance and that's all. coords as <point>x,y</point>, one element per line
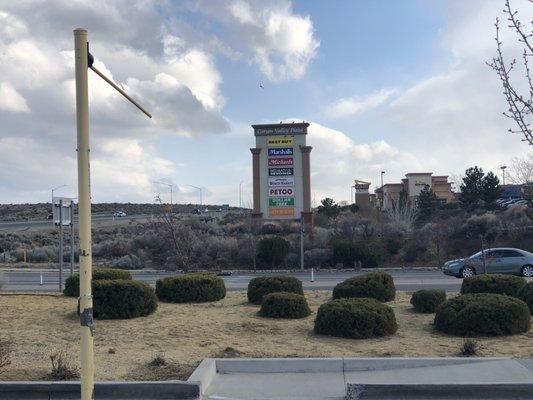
<point>281,176</point>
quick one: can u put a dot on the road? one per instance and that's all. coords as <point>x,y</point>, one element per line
<point>405,280</point>
<point>97,219</point>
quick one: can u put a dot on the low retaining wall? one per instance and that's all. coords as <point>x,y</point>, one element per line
<point>102,390</point>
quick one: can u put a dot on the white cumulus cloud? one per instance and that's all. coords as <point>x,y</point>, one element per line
<point>11,100</point>
<point>281,42</point>
<point>351,107</point>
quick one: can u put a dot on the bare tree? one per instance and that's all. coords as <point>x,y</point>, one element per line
<point>178,238</point>
<point>403,215</point>
<point>521,171</point>
<point>520,102</point>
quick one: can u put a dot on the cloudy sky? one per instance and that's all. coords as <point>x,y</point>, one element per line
<point>400,86</point>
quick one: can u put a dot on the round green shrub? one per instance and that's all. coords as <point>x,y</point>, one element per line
<point>72,283</point>
<point>122,299</point>
<point>356,318</point>
<point>284,305</point>
<point>526,295</point>
<point>493,283</point>
<point>427,301</point>
<point>376,285</point>
<point>197,287</point>
<point>483,314</point>
<point>263,285</point>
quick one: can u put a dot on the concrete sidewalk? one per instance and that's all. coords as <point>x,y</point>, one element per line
<point>365,378</point>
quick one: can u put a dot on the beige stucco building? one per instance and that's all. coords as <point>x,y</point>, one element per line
<point>388,196</point>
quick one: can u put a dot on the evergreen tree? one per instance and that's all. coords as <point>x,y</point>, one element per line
<point>491,189</point>
<point>426,203</point>
<point>472,188</point>
<point>329,208</point>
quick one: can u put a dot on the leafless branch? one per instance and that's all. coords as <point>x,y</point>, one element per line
<point>520,106</point>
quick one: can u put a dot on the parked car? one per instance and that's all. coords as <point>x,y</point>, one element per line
<point>119,213</point>
<point>496,261</point>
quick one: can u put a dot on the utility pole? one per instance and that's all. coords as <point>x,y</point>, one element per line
<point>61,245</point>
<point>302,232</point>
<point>503,174</point>
<point>84,60</point>
<point>84,213</point>
<point>71,237</point>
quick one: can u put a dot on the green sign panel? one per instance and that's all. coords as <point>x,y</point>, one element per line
<point>280,201</point>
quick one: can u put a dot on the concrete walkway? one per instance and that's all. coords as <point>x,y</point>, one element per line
<point>371,378</point>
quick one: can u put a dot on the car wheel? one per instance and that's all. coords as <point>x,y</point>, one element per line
<point>527,271</point>
<point>467,272</point>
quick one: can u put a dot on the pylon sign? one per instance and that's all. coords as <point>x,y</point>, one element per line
<point>281,171</point>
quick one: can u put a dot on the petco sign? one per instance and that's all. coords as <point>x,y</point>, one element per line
<point>276,192</point>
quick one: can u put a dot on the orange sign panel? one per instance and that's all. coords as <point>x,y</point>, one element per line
<point>281,212</point>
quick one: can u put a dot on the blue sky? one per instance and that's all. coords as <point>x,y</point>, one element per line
<point>400,86</point>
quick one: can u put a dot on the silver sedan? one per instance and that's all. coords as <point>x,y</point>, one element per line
<point>492,261</point>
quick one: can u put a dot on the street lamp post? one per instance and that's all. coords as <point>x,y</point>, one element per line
<point>200,189</point>
<point>60,233</point>
<point>53,190</point>
<point>83,60</point>
<point>240,194</point>
<point>503,167</point>
<point>170,186</point>
<point>382,194</point>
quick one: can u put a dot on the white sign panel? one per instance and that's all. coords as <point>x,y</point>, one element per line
<point>66,211</point>
<point>281,182</point>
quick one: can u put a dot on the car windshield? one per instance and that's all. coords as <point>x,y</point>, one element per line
<point>477,255</point>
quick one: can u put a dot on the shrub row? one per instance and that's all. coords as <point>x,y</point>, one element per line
<point>376,285</point>
<point>427,301</point>
<point>483,313</point>
<point>284,305</point>
<point>72,283</point>
<point>120,299</point>
<point>191,288</point>
<point>263,285</point>
<point>356,318</point>
<point>493,283</point>
<point>526,295</point>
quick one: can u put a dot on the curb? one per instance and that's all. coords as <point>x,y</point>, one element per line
<point>498,391</point>
<point>235,271</point>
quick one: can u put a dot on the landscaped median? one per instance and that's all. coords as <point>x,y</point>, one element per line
<point>185,333</point>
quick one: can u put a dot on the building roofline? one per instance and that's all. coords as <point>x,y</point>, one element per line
<point>393,184</point>
<point>295,124</point>
<point>419,173</point>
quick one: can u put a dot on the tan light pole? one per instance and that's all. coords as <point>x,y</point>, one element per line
<point>82,63</point>
<point>84,214</point>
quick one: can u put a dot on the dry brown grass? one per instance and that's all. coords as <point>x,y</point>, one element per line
<point>187,333</point>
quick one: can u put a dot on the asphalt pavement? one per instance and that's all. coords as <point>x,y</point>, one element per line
<point>97,219</point>
<point>405,280</point>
